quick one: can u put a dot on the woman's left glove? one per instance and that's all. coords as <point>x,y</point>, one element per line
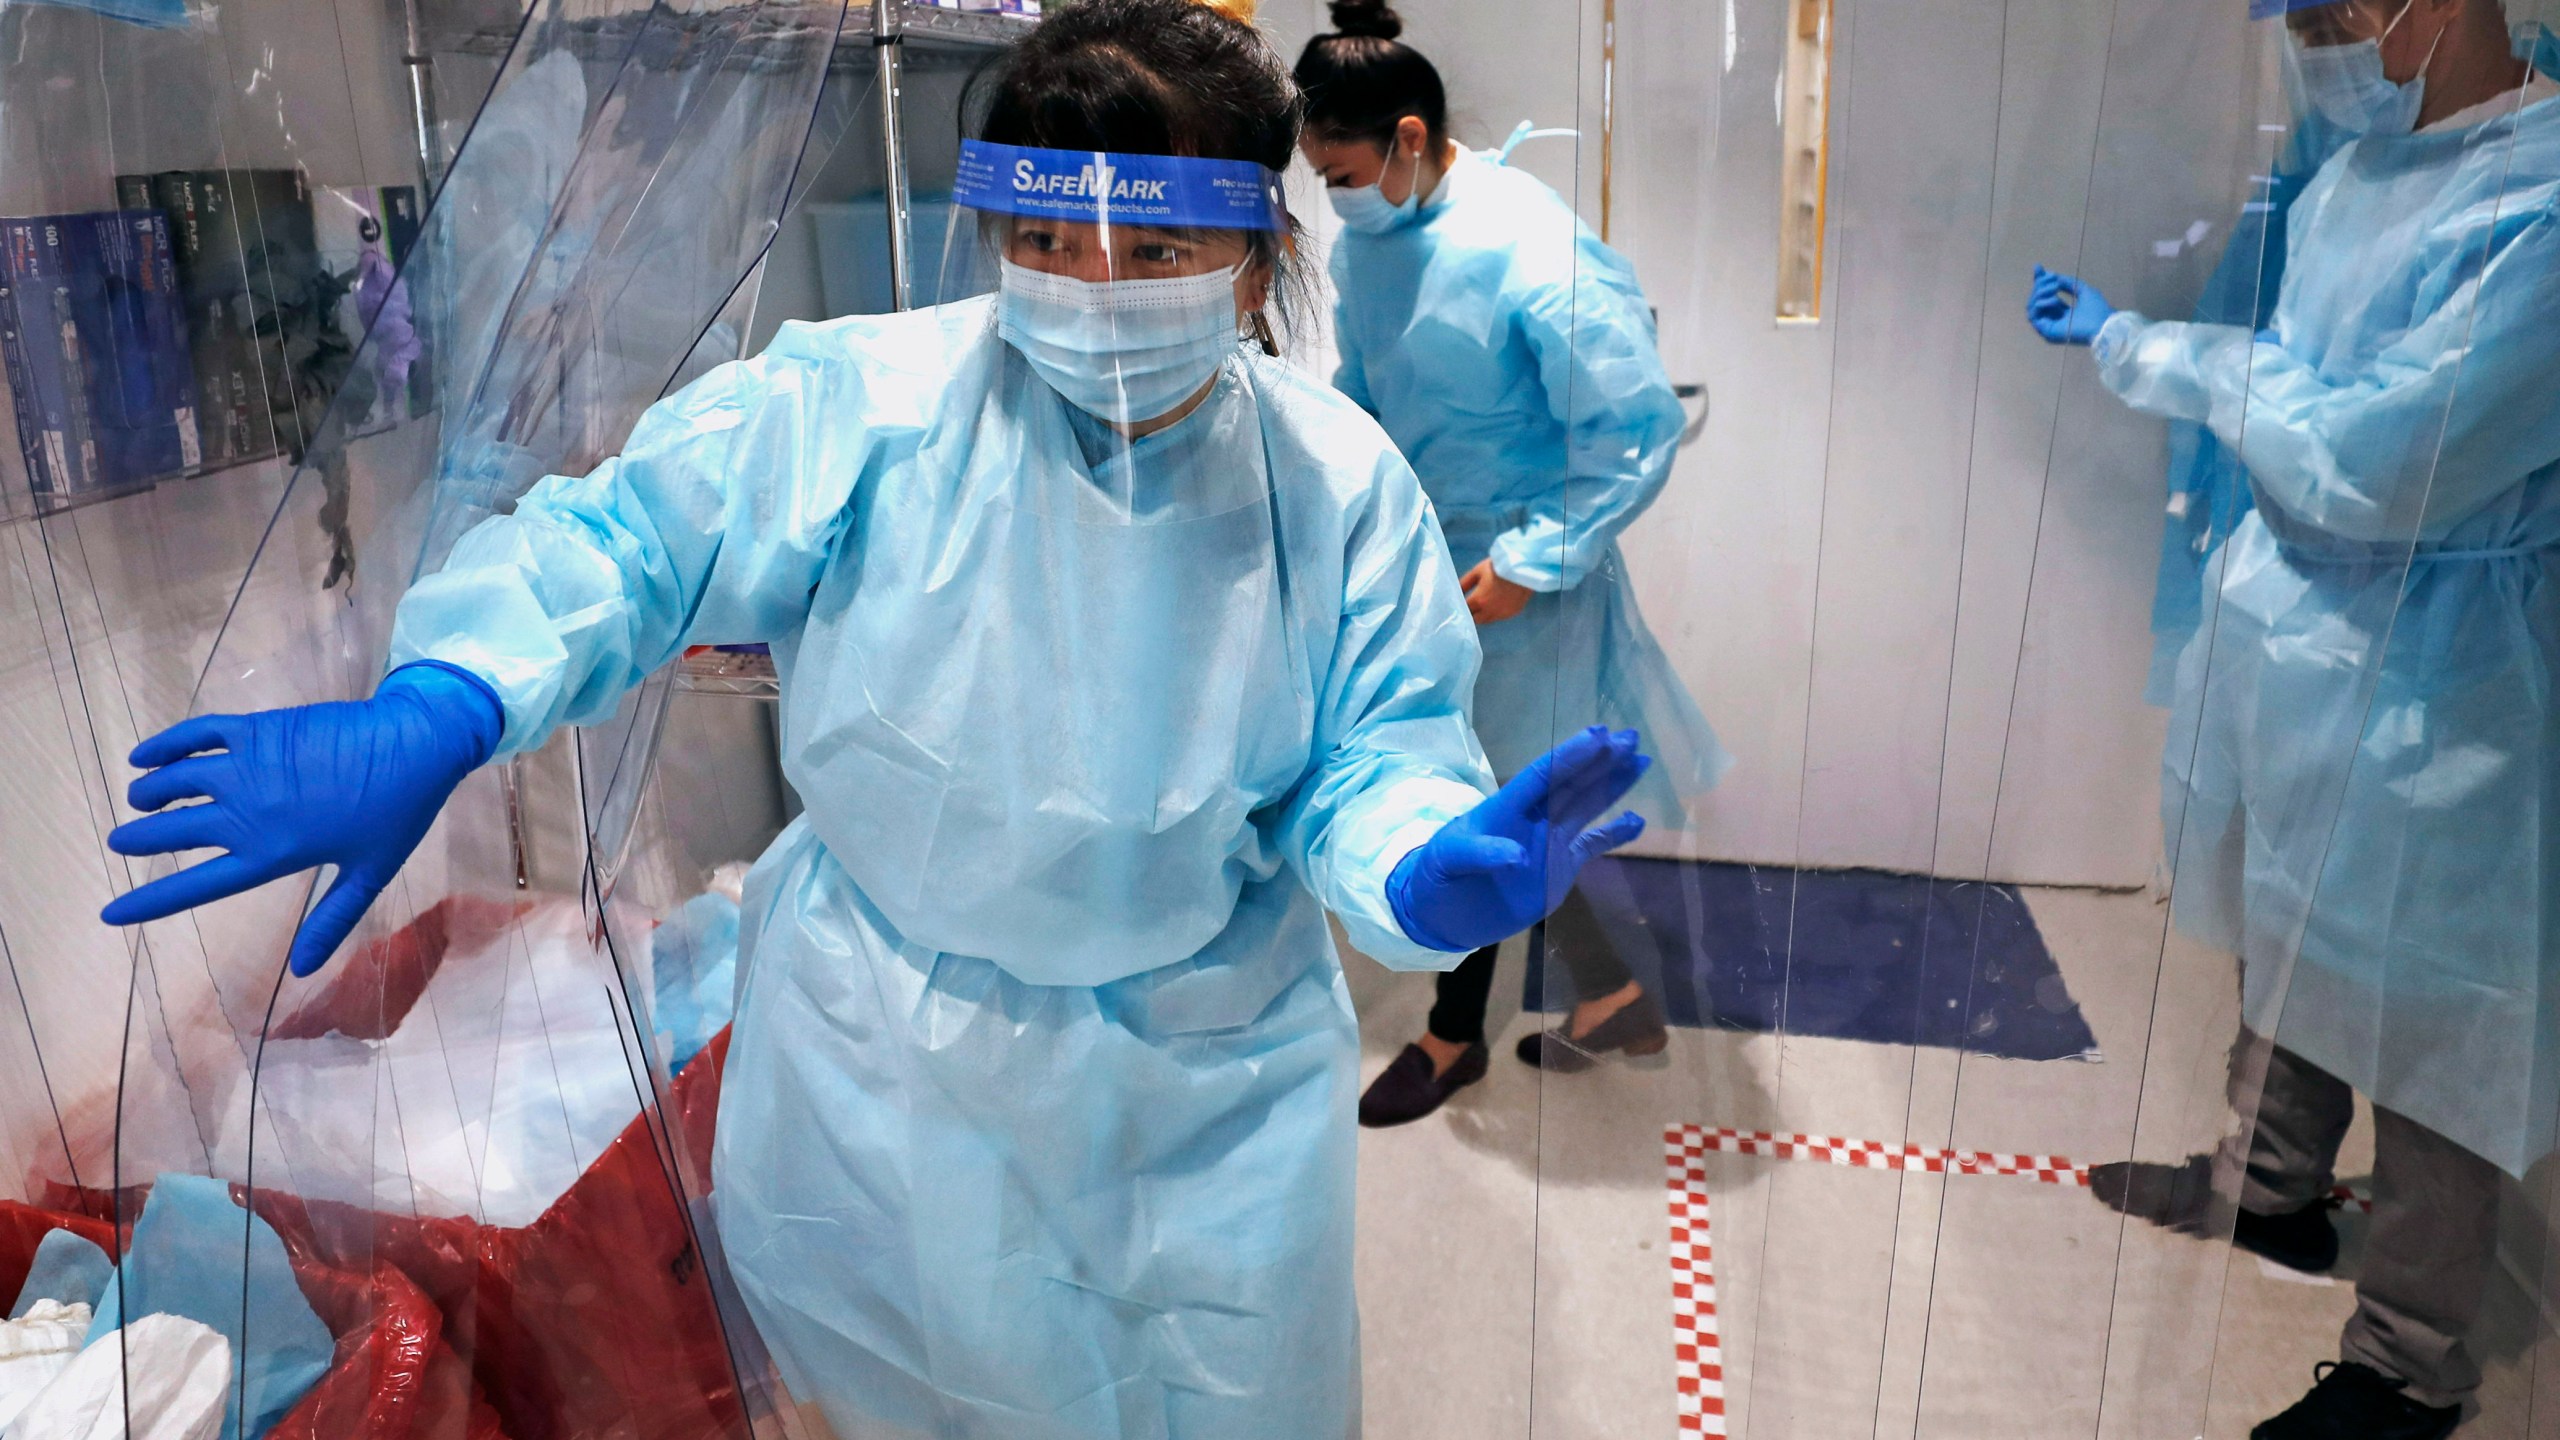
<point>351,783</point>
<point>2065,309</point>
<point>1503,866</point>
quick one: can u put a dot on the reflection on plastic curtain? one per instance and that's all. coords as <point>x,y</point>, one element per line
<point>441,1190</point>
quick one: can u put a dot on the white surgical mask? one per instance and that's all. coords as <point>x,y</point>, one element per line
<point>2348,86</point>
<point>1367,209</point>
<point>1126,350</point>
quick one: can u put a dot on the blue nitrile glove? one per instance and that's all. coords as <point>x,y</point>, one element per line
<point>1501,867</point>
<point>352,783</point>
<point>2065,310</point>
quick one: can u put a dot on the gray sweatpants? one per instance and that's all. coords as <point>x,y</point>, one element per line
<point>2434,1231</point>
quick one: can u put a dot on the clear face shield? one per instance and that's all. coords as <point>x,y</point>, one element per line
<point>1124,281</point>
<point>1103,672</point>
<point>2334,63</point>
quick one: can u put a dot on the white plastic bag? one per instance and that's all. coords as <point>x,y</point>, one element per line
<point>181,1374</point>
<point>35,1349</point>
<point>501,1085</point>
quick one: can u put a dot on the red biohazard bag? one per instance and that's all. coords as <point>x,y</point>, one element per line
<point>596,1320</point>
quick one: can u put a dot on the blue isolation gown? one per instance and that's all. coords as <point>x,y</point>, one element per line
<point>1037,1122</point>
<point>2371,767</point>
<point>1512,357</point>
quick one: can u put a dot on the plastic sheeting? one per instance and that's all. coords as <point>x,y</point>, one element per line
<point>1912,553</point>
<point>1915,549</point>
<point>452,1177</point>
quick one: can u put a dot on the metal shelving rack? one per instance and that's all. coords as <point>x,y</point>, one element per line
<point>885,29</point>
<point>728,673</point>
<point>895,24</point>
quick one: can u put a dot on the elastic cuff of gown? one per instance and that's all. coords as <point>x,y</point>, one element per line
<point>1510,567</point>
<point>2116,338</point>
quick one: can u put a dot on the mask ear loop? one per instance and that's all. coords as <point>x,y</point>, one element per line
<point>2430,62</point>
<point>1411,190</point>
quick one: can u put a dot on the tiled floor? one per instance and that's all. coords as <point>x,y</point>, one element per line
<point>1514,1280</point>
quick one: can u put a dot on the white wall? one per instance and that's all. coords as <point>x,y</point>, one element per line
<point>1895,513</point>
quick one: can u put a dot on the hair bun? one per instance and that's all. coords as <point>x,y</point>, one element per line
<point>1373,18</point>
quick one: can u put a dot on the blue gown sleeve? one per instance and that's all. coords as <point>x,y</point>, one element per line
<point>1602,371</point>
<point>1397,756</point>
<point>710,528</point>
<point>1349,376</point>
<point>2449,416</point>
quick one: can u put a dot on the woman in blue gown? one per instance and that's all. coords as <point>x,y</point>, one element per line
<point>1113,654</point>
<point>1511,356</point>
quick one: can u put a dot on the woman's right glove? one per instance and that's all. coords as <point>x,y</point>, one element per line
<point>351,783</point>
<point>1505,865</point>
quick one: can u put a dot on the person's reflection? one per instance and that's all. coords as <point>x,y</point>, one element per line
<point>2208,491</point>
<point>2370,792</point>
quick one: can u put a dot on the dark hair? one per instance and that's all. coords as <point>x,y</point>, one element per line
<point>1142,77</point>
<point>1147,77</point>
<point>1360,80</point>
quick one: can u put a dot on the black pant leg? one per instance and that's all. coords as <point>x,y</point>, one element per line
<point>1575,939</point>
<point>1458,1015</point>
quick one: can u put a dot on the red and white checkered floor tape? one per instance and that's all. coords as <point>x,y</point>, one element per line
<point>1876,1155</point>
<point>1697,1347</point>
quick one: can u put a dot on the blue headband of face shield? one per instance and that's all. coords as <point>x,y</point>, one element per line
<point>1173,192</point>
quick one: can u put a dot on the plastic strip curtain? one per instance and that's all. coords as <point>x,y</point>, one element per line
<point>1907,569</point>
<point>2267,781</point>
<point>2191,122</point>
<point>461,1146</point>
<point>1828,614</point>
<point>120,575</point>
